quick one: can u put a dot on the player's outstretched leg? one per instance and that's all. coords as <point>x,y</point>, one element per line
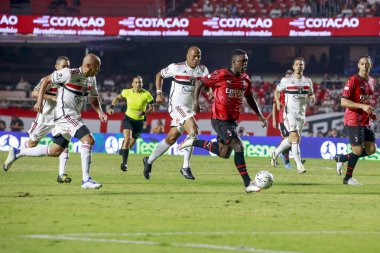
<point>10,159</point>
<point>185,169</point>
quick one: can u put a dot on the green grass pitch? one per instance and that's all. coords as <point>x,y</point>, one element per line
<point>300,213</point>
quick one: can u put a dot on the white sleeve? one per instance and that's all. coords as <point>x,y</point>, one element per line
<point>282,85</point>
<point>94,91</point>
<point>60,76</point>
<point>205,72</point>
<point>169,71</point>
<point>311,91</point>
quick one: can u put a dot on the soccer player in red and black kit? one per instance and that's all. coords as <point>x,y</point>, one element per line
<point>356,98</point>
<point>230,85</point>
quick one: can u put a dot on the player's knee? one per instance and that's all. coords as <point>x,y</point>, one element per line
<point>89,140</point>
<point>31,144</point>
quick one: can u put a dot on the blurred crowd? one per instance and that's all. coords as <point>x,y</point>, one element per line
<point>283,8</point>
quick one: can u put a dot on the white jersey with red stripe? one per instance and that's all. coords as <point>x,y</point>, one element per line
<point>183,84</point>
<point>296,94</point>
<point>47,115</point>
<point>74,88</point>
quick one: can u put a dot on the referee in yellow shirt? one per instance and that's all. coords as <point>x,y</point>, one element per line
<point>138,99</point>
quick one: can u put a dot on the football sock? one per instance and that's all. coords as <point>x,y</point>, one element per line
<point>351,165</point>
<point>41,150</point>
<point>211,146</point>
<point>63,161</point>
<point>86,155</point>
<point>286,155</point>
<point>345,158</point>
<point>296,154</point>
<point>187,152</point>
<point>125,153</point>
<point>241,167</point>
<point>285,144</point>
<point>160,149</point>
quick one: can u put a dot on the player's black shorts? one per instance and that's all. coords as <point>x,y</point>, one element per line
<point>359,134</point>
<point>284,131</point>
<point>134,125</point>
<point>226,130</point>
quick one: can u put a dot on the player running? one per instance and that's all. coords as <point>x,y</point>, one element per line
<point>230,85</point>
<point>298,89</point>
<point>44,121</point>
<point>76,85</point>
<point>137,101</point>
<point>356,98</point>
<point>184,75</point>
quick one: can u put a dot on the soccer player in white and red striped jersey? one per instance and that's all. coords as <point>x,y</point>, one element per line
<point>44,121</point>
<point>298,90</point>
<point>76,85</point>
<point>184,75</point>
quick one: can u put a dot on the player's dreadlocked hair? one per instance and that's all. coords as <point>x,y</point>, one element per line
<point>61,58</point>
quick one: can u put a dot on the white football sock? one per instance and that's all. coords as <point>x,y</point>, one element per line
<point>285,144</point>
<point>296,154</point>
<point>160,149</point>
<point>187,152</point>
<point>86,155</point>
<point>63,161</point>
<point>41,150</point>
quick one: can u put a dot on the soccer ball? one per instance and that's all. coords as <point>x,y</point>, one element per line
<point>264,179</point>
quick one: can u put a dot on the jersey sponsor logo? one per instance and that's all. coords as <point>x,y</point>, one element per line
<point>8,20</point>
<point>337,23</point>
<point>82,22</point>
<point>133,22</point>
<point>234,93</point>
<point>365,98</point>
<point>217,23</point>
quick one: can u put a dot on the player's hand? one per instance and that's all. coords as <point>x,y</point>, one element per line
<point>196,108</point>
<point>264,121</point>
<point>373,116</point>
<point>274,123</point>
<point>111,111</point>
<point>141,113</point>
<point>160,99</point>
<point>368,109</point>
<point>38,107</point>
<point>312,98</point>
<point>103,117</point>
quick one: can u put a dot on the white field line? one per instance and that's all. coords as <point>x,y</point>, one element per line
<point>182,245</point>
<point>320,232</point>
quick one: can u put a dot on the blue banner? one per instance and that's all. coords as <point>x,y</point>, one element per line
<point>311,147</point>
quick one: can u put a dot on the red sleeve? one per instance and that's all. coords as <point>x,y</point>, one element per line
<point>248,89</point>
<point>211,79</point>
<point>348,89</point>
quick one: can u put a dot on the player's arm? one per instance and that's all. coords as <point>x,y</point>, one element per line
<point>274,115</point>
<point>38,106</point>
<point>251,101</point>
<point>311,94</point>
<point>198,88</point>
<point>345,102</point>
<point>95,104</point>
<point>46,96</point>
<point>159,81</point>
<point>277,99</point>
<point>113,103</point>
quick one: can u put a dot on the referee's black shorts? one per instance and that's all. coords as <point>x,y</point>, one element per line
<point>134,125</point>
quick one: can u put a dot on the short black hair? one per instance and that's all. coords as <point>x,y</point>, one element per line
<point>136,76</point>
<point>61,58</point>
<point>298,59</point>
<point>238,52</point>
<point>365,56</point>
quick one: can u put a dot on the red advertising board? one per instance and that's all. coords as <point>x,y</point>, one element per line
<point>185,27</point>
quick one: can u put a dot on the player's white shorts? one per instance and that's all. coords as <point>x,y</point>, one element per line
<point>38,131</point>
<point>180,114</point>
<point>67,126</point>
<point>293,123</point>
